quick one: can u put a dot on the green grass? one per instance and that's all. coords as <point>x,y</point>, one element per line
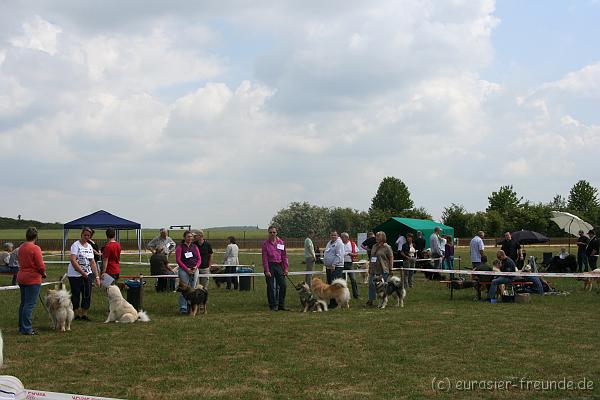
<point>242,350</point>
<point>146,234</point>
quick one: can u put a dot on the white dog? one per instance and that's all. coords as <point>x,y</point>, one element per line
<point>60,308</point>
<point>121,310</point>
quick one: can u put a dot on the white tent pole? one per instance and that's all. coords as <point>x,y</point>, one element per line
<point>138,233</point>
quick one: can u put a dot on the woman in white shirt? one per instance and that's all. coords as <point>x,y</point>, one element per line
<point>82,272</point>
<point>231,260</point>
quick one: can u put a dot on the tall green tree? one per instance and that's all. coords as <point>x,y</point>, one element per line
<point>299,218</point>
<point>558,203</point>
<point>505,201</point>
<point>583,197</point>
<point>415,212</point>
<point>348,220</point>
<point>392,196</point>
<point>456,216</point>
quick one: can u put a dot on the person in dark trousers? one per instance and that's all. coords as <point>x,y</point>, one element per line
<point>592,249</point>
<point>420,244</point>
<point>275,264</point>
<point>159,265</point>
<point>582,259</point>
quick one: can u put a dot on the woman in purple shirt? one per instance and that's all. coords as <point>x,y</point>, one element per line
<point>188,259</point>
<point>449,253</point>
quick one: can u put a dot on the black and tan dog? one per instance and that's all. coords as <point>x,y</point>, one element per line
<point>308,300</point>
<point>393,287</point>
<point>196,297</point>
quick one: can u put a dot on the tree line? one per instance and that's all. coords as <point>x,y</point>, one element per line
<point>12,223</point>
<point>506,211</point>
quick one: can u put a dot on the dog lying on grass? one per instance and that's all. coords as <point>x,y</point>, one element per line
<point>120,310</point>
<point>60,308</point>
<point>338,290</point>
<point>308,300</point>
<point>393,287</point>
<point>196,297</point>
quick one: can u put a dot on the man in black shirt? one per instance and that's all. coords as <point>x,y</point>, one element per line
<point>369,243</point>
<point>508,265</point>
<point>206,253</point>
<point>582,259</point>
<point>420,244</point>
<point>512,248</point>
<point>592,249</point>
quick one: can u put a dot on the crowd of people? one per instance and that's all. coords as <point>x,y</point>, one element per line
<point>193,257</point>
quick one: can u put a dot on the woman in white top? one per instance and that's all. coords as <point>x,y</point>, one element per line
<point>231,260</point>
<point>82,272</point>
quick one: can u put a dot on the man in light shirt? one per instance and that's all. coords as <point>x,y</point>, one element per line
<point>476,248</point>
<point>309,255</point>
<point>436,247</point>
<point>333,258</point>
<point>350,251</point>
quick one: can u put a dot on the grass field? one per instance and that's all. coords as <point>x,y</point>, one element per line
<point>146,234</point>
<point>242,350</point>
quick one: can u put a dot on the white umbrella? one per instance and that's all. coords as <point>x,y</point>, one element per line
<point>570,223</point>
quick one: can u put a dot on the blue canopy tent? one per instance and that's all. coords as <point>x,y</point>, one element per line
<point>103,219</point>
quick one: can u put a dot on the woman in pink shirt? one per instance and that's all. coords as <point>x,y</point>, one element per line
<point>187,255</point>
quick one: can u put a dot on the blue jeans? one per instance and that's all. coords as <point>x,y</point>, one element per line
<point>276,286</point>
<point>448,262</point>
<point>333,274</point>
<point>537,284</point>
<point>409,274</point>
<point>348,267</point>
<point>498,281</point>
<point>29,295</point>
<point>191,280</point>
<point>372,290</point>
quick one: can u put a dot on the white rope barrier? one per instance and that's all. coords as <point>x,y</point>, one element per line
<point>14,287</point>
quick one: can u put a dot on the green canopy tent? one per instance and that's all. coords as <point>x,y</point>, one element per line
<point>396,226</point>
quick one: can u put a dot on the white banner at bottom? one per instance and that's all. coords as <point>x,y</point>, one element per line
<point>12,388</point>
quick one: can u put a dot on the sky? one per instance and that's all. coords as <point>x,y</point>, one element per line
<point>220,113</point>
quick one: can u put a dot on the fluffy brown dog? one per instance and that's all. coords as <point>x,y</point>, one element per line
<point>60,308</point>
<point>338,290</point>
<point>195,297</point>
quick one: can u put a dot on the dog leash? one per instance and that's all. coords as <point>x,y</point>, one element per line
<point>292,282</point>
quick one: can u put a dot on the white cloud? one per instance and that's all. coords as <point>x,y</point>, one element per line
<point>38,34</point>
<point>237,111</point>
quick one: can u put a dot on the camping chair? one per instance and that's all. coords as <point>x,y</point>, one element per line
<point>546,259</point>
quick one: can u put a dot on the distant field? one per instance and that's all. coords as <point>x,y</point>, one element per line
<point>146,234</point>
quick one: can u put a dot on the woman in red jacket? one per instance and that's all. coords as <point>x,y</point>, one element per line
<point>31,272</point>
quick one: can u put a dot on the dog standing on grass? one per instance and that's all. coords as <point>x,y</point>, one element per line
<point>338,290</point>
<point>60,308</point>
<point>588,283</point>
<point>393,287</point>
<point>308,300</point>
<point>196,297</point>
<point>120,310</point>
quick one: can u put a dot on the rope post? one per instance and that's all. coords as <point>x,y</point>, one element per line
<point>253,266</point>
